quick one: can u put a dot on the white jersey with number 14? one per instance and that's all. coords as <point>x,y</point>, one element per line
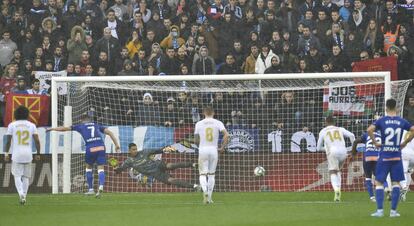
<point>209,130</point>
<point>332,137</point>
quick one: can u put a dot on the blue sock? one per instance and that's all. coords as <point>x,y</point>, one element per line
<point>101,176</point>
<point>379,192</point>
<point>89,179</point>
<point>395,197</point>
<point>368,186</point>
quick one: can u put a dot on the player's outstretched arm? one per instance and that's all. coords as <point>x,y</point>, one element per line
<point>370,131</point>
<point>37,144</point>
<point>59,129</point>
<point>225,140</point>
<point>354,146</point>
<point>319,145</point>
<point>112,136</point>
<point>7,148</point>
<point>409,138</point>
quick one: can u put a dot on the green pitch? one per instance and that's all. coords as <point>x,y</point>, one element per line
<point>182,209</point>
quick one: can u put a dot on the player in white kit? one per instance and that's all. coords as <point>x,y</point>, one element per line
<point>20,135</point>
<point>407,154</point>
<point>332,137</point>
<point>207,132</point>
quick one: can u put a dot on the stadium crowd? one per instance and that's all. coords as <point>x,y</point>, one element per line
<point>201,37</point>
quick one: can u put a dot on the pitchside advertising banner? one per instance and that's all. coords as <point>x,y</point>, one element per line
<point>285,171</point>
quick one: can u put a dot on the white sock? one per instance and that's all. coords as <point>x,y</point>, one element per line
<point>334,182</point>
<point>407,180</point>
<point>203,183</point>
<point>339,180</point>
<point>19,185</point>
<point>211,182</point>
<point>25,182</point>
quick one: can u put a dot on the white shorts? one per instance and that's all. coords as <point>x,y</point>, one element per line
<point>21,169</point>
<point>336,158</point>
<point>408,159</point>
<point>207,160</point>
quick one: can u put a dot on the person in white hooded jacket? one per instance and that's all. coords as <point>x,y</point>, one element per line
<point>264,60</point>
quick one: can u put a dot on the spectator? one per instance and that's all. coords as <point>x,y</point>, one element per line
<point>276,42</point>
<point>229,67</point>
<point>147,113</point>
<point>91,8</point>
<point>288,60</point>
<point>233,9</point>
<point>340,61</point>
<point>173,40</point>
<point>140,63</point>
<point>7,47</point>
<point>76,44</point>
<point>109,45</point>
<point>120,61</point>
<point>49,29</point>
<point>91,29</point>
<point>264,60</point>
<point>203,64</point>
<point>103,61</point>
<point>127,68</point>
<point>184,70</point>
<point>116,27</point>
<point>36,88</point>
<point>145,12</point>
<point>162,9</point>
<point>16,26</point>
<point>314,59</point>
<point>275,67</point>
<point>70,19</point>
<point>250,63</point>
<point>28,45</point>
<point>183,58</point>
<point>373,39</point>
<point>303,66</point>
<point>154,59</point>
<point>148,41</point>
<point>157,26</point>
<point>390,30</point>
<point>20,87</point>
<point>88,70</point>
<point>289,15</point>
<point>59,61</point>
<point>346,10</point>
<point>120,10</point>
<point>353,47</point>
<point>169,64</point>
<point>137,24</point>
<point>306,40</point>
<point>7,82</point>
<point>170,114</point>
<point>101,71</point>
<point>47,47</point>
<point>215,12</point>
<point>211,35</point>
<point>37,13</point>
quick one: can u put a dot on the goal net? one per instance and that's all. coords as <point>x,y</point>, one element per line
<point>273,121</point>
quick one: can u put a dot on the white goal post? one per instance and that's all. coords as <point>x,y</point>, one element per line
<point>306,84</point>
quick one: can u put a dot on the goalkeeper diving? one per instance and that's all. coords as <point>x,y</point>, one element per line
<point>142,162</point>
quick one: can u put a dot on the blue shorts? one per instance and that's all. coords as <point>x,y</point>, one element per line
<point>369,168</point>
<point>98,157</point>
<point>394,168</point>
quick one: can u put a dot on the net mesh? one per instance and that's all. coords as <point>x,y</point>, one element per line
<point>272,123</point>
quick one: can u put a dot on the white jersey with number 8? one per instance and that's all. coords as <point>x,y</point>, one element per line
<point>209,130</point>
<point>22,139</point>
